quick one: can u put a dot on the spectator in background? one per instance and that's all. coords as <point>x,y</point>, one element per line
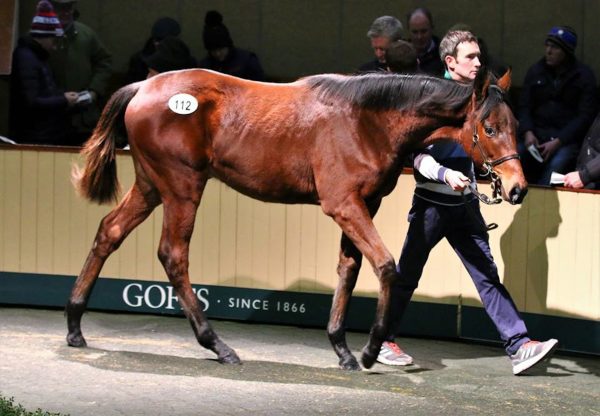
<point>383,31</point>
<point>163,27</point>
<point>401,57</point>
<point>223,56</point>
<point>171,54</point>
<point>38,108</point>
<point>81,63</point>
<point>420,28</point>
<point>557,105</point>
<point>587,174</point>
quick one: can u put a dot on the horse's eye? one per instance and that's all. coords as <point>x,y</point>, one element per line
<point>489,131</point>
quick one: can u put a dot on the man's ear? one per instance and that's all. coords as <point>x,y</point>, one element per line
<point>450,61</point>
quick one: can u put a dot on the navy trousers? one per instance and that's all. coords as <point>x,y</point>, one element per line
<point>465,231</point>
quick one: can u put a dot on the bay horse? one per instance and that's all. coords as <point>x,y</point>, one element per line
<point>334,140</point>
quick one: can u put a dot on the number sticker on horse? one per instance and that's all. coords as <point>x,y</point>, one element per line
<point>183,103</point>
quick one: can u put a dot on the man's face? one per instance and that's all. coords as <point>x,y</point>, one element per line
<point>64,11</point>
<point>465,65</point>
<point>380,44</point>
<point>554,55</point>
<point>421,32</point>
<point>50,43</point>
<point>219,54</point>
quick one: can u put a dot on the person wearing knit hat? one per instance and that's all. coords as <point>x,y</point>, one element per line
<point>161,29</point>
<point>563,37</point>
<point>171,54</point>
<point>223,56</point>
<point>557,105</point>
<point>38,108</point>
<point>45,23</point>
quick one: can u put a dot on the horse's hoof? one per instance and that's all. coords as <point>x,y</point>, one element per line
<point>368,359</point>
<point>349,364</point>
<point>77,341</point>
<point>230,358</point>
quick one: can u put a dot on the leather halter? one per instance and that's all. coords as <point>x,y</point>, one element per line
<point>489,165</point>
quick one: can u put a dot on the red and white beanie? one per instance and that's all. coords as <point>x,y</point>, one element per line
<point>45,22</point>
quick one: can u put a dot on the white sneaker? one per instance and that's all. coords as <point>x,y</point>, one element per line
<point>392,354</point>
<point>531,353</point>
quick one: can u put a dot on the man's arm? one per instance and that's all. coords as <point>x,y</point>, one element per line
<point>432,170</point>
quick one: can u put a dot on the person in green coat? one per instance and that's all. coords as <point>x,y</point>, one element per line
<point>81,63</point>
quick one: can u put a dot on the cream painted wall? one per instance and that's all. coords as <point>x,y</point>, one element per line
<point>546,249</point>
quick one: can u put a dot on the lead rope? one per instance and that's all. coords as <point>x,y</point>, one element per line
<point>488,227</point>
<point>495,184</point>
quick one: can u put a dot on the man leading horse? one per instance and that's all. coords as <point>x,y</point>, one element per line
<point>444,206</point>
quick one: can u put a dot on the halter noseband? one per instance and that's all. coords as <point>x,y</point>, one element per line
<point>489,165</point>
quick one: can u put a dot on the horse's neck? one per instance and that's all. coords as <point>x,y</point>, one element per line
<point>412,131</point>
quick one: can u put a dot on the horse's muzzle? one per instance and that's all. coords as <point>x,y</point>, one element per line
<point>517,194</point>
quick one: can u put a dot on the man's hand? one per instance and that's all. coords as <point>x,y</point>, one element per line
<point>573,180</point>
<point>549,148</point>
<point>531,139</point>
<point>71,97</point>
<point>456,180</point>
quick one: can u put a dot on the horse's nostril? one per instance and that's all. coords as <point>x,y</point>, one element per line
<point>517,195</point>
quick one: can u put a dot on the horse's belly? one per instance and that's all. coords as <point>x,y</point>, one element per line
<point>268,186</point>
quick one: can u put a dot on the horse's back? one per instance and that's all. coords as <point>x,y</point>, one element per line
<point>244,133</point>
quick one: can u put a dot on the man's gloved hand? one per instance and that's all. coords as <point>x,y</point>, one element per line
<point>456,180</point>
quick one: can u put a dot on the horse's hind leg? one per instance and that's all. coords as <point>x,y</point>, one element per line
<point>178,224</point>
<point>133,209</point>
<point>348,268</point>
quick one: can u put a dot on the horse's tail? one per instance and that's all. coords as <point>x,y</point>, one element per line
<point>98,180</point>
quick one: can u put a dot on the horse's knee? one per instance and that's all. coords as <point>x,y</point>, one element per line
<point>173,260</point>
<point>348,273</point>
<point>387,273</point>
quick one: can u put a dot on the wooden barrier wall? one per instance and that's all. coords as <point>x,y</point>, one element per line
<point>547,249</point>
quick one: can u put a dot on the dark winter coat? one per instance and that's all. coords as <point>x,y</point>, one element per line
<point>430,62</point>
<point>562,106</point>
<point>372,66</point>
<point>239,63</point>
<point>38,108</point>
<point>588,162</point>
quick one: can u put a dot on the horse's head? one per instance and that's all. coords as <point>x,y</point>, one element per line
<point>492,129</point>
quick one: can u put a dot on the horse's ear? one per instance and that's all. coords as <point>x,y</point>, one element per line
<point>481,83</point>
<point>505,80</point>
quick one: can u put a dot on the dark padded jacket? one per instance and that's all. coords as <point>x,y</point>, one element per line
<point>239,63</point>
<point>588,162</point>
<point>38,108</point>
<point>562,107</point>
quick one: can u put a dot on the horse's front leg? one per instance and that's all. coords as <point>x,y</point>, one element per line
<point>348,268</point>
<point>354,218</point>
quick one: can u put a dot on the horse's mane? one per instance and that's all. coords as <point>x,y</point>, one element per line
<point>383,91</point>
<point>495,96</point>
